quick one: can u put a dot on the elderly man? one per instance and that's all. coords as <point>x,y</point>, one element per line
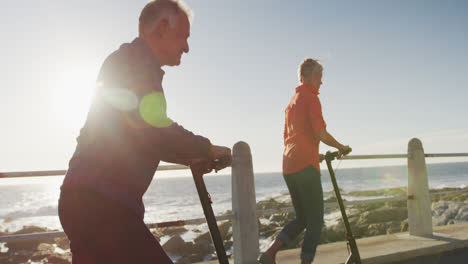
<point>126,135</point>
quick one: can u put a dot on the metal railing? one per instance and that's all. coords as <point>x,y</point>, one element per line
<point>244,216</point>
<point>399,156</point>
<point>410,197</point>
<point>17,174</point>
<point>243,204</point>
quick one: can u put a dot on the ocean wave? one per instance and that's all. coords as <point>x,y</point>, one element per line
<point>42,211</point>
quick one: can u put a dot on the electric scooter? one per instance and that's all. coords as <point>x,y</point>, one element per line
<point>198,170</point>
<point>352,246</point>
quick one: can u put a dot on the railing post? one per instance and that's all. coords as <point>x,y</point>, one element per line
<point>419,201</point>
<point>244,224</point>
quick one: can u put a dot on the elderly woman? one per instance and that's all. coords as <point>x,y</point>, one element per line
<point>304,129</point>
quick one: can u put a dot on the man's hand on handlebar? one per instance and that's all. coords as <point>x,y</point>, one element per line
<point>220,157</point>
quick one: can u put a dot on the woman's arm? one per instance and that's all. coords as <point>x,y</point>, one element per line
<point>328,139</point>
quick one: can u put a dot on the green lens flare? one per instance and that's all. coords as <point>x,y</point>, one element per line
<point>153,110</point>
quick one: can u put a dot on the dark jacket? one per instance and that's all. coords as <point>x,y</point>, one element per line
<point>127,131</point>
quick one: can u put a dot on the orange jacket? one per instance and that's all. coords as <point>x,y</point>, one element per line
<point>303,122</point>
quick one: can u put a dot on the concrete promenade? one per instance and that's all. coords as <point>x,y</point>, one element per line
<point>393,248</point>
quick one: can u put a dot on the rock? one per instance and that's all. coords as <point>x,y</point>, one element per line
<point>228,244</point>
<point>9,219</point>
<point>59,259</point>
<point>227,212</point>
<point>268,230</point>
<point>271,204</point>
<point>281,219</point>
<point>195,258</point>
<point>452,210</point>
<point>183,260</point>
<point>394,227</point>
<point>157,233</point>
<point>31,229</point>
<point>43,250</point>
<point>439,220</point>
<point>62,242</point>
<point>462,214</point>
<point>383,215</point>
<point>203,248</point>
<point>449,212</point>
<point>438,208</point>
<point>398,191</point>
<point>177,246</point>
<point>29,245</point>
<point>228,235</point>
<point>404,226</point>
<point>16,258</point>
<point>376,229</point>
<point>172,231</point>
<point>333,199</point>
<point>224,229</point>
<point>275,218</point>
<point>203,237</point>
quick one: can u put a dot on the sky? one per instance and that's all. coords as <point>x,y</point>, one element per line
<point>393,70</point>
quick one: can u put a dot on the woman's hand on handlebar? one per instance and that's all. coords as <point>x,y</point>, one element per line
<point>344,150</point>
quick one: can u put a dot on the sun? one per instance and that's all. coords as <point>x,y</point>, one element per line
<point>72,96</point>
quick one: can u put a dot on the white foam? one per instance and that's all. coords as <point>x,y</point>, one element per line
<point>3,248</point>
<point>50,222</point>
<point>58,250</point>
<point>164,239</point>
<point>190,236</point>
<point>332,218</point>
<point>264,243</point>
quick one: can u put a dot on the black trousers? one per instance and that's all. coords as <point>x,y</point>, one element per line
<point>102,231</point>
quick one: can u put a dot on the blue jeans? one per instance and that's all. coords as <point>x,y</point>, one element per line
<point>305,188</point>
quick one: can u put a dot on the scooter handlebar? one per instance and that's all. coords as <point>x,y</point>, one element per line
<point>332,155</point>
<point>207,166</point>
<point>223,161</point>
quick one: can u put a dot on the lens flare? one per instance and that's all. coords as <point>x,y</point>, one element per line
<point>153,110</point>
<point>122,99</point>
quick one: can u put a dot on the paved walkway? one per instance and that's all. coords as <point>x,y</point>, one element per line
<point>394,248</point>
<point>389,248</point>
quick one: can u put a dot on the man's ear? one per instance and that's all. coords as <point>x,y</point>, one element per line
<point>162,28</point>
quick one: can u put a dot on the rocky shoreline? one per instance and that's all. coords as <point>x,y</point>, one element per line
<point>366,219</point>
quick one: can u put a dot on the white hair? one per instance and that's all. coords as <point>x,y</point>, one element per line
<point>308,68</point>
<point>157,10</point>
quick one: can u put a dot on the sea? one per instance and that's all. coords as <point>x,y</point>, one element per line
<point>33,200</point>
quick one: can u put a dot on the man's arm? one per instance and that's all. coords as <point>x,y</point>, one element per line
<point>133,108</point>
<point>215,153</point>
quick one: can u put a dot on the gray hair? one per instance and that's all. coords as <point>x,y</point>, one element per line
<point>157,10</point>
<point>308,68</point>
